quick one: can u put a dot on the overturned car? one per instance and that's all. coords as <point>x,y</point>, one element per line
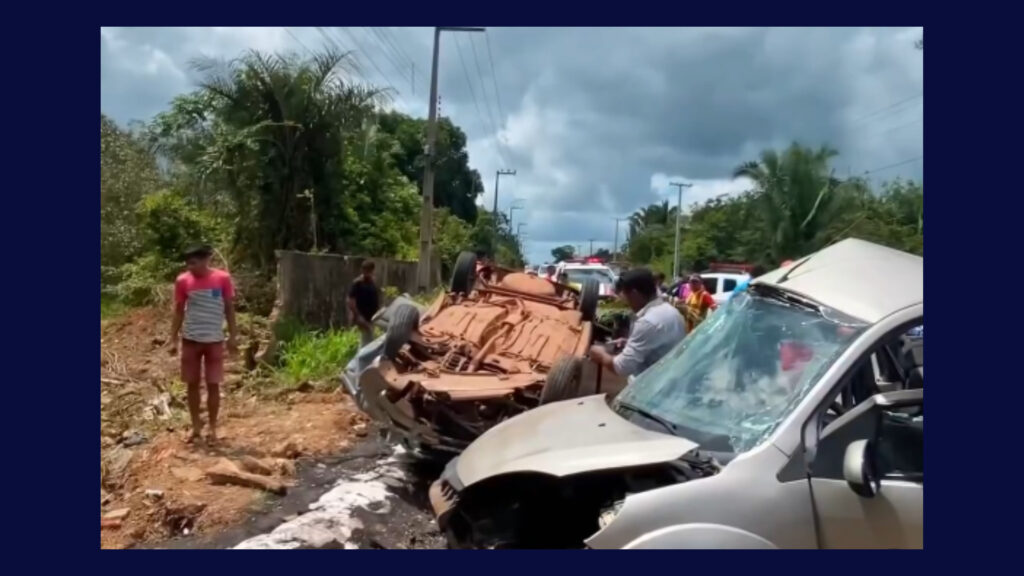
<point>496,344</point>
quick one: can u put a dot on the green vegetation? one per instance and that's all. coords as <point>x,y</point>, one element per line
<point>317,357</point>
<point>276,152</point>
<point>796,206</point>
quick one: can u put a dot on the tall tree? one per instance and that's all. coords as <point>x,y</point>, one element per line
<point>456,185</point>
<point>128,172</point>
<point>796,192</point>
<point>566,252</point>
<point>291,142</point>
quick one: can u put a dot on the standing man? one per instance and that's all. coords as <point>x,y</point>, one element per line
<point>656,330</point>
<point>203,298</point>
<point>697,304</point>
<point>551,271</point>
<point>363,303</point>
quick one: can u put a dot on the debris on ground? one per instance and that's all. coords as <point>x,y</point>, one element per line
<point>119,514</point>
<point>227,472</point>
<point>144,424</point>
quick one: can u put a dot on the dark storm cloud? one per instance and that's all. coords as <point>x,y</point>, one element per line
<point>597,121</point>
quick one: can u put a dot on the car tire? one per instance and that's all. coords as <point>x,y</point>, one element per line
<point>590,295</point>
<point>464,274</point>
<point>405,320</point>
<point>563,380</point>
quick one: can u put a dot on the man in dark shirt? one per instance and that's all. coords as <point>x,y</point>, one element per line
<point>363,302</point>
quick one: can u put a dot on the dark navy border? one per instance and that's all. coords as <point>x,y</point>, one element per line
<point>972,139</point>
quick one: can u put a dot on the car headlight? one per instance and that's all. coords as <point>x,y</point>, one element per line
<point>609,514</point>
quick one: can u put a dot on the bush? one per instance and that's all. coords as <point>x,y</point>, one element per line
<point>318,356</point>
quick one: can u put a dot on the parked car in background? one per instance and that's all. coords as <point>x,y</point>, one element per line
<point>486,350</point>
<point>792,418</point>
<point>576,272</point>
<point>721,284</point>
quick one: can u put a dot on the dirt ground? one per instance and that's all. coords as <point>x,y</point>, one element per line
<point>146,467</point>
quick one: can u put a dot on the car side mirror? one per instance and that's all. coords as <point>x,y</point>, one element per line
<point>859,469</point>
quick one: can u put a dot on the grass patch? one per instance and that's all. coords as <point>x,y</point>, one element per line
<point>110,307</point>
<point>317,356</point>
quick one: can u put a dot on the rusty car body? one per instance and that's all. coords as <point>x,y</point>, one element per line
<point>492,346</point>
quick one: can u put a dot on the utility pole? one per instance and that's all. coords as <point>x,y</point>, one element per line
<point>497,180</point>
<point>591,247</point>
<point>615,245</point>
<point>427,209</point>
<point>679,211</point>
<point>512,208</point>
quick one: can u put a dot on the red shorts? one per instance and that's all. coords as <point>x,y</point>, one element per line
<point>202,358</point>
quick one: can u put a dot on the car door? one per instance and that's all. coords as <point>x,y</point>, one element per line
<point>890,514</point>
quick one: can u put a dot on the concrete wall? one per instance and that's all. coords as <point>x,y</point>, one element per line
<point>313,288</point>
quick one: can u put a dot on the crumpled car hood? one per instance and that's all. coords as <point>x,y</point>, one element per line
<point>564,438</point>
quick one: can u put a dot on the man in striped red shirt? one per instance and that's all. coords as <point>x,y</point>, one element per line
<point>203,300</point>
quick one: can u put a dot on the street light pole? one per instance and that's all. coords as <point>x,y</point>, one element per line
<point>679,211</point>
<point>512,208</point>
<point>427,208</point>
<point>497,180</point>
<point>615,245</point>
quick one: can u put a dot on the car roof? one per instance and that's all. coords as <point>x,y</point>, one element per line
<point>865,280</point>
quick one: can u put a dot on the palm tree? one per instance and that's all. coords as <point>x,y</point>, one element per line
<point>287,123</point>
<point>653,215</point>
<point>796,194</point>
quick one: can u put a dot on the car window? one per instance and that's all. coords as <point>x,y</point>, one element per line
<point>728,285</point>
<point>900,444</point>
<point>711,285</point>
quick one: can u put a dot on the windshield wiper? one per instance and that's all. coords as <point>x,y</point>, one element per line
<point>657,419</point>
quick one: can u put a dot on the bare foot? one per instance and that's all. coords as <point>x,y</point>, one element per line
<point>194,438</point>
<point>211,437</point>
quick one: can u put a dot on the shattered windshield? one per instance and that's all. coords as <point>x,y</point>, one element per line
<point>739,374</point>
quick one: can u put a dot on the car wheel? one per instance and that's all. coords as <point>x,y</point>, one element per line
<point>405,320</point>
<point>464,274</point>
<point>590,293</point>
<point>563,380</point>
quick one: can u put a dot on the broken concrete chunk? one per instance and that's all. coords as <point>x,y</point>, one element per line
<point>154,494</point>
<point>119,514</point>
<point>226,472</point>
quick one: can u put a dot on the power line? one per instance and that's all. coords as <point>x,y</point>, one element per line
<point>898,127</point>
<point>483,86</point>
<point>352,64</point>
<point>399,54</point>
<point>384,50</point>
<point>469,84</point>
<point>875,113</point>
<point>494,75</point>
<point>387,79</point>
<point>296,38</point>
<point>895,165</point>
<point>497,93</point>
<point>392,38</point>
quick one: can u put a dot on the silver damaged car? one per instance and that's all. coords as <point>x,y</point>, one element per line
<point>793,417</point>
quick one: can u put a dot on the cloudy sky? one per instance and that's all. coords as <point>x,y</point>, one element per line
<point>596,121</point>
